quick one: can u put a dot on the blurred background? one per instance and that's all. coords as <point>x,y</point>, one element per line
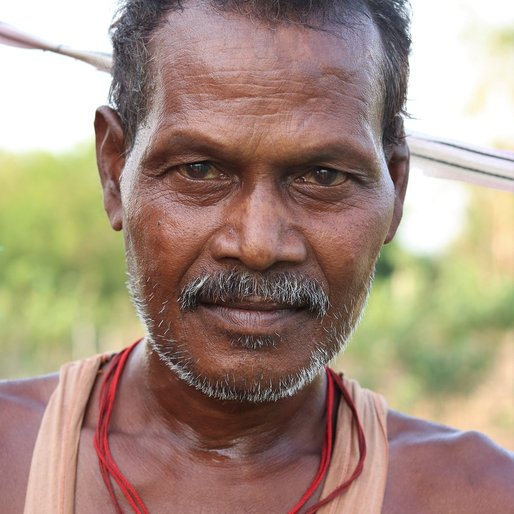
<point>437,338</point>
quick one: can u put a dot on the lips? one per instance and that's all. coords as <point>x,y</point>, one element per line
<point>250,303</point>
<point>251,315</point>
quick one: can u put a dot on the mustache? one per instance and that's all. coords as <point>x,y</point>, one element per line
<point>286,288</point>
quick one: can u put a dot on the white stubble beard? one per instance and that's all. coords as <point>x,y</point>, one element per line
<point>176,357</point>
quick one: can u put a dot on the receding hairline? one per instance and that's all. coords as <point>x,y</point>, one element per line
<point>357,26</point>
<point>137,21</point>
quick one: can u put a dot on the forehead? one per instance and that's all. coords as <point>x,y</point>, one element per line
<point>212,68</point>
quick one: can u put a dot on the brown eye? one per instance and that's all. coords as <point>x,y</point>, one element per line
<point>200,171</point>
<point>324,177</point>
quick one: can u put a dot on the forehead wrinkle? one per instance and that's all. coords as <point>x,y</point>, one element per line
<point>285,46</point>
<point>197,69</point>
<point>188,87</point>
<point>314,119</point>
<point>299,142</point>
<point>227,92</point>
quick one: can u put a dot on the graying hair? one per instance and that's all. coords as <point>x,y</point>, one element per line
<point>287,288</point>
<point>178,360</point>
<point>136,21</point>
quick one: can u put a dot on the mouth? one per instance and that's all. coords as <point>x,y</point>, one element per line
<point>251,315</point>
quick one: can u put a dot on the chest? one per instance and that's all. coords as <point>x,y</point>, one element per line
<point>167,482</point>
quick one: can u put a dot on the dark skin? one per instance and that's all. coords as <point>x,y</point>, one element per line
<point>296,180</point>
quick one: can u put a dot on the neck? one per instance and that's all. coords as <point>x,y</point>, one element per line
<point>201,425</point>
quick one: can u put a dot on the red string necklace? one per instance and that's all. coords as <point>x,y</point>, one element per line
<point>110,470</point>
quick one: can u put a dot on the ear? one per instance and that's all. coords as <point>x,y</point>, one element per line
<point>398,164</point>
<point>110,159</point>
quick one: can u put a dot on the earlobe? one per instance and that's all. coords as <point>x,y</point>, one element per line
<point>398,164</point>
<point>110,159</point>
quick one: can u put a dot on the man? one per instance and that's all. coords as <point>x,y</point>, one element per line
<point>256,166</point>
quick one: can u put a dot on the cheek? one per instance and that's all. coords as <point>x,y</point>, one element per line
<point>163,238</point>
<point>347,244</point>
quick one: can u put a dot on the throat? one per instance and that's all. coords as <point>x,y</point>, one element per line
<point>230,429</point>
<point>255,442</point>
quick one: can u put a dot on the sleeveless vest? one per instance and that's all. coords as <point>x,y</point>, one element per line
<point>51,486</point>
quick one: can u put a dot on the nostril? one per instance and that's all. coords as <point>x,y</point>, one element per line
<point>258,249</point>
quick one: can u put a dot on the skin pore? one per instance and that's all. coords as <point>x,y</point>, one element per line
<point>229,172</point>
<point>260,157</point>
<point>249,162</point>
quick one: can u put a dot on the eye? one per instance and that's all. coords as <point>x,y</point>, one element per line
<point>324,177</point>
<point>204,170</point>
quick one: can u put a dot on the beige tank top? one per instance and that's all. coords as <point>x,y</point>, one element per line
<point>51,486</point>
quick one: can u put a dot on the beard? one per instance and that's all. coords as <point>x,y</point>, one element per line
<point>290,289</point>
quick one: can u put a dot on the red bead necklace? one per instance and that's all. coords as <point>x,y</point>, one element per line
<point>110,470</point>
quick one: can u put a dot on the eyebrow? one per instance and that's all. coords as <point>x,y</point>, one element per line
<point>180,143</point>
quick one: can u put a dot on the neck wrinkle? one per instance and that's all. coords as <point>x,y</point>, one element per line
<point>205,427</point>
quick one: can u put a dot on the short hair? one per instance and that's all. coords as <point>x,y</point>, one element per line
<point>136,20</point>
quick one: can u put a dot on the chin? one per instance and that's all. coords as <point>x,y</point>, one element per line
<point>252,374</point>
<point>232,361</point>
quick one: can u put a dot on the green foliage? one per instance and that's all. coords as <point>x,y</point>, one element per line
<point>432,324</point>
<point>61,267</point>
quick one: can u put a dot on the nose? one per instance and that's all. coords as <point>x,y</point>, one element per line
<point>259,232</point>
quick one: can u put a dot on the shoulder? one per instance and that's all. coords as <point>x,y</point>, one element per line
<point>22,404</point>
<point>447,470</point>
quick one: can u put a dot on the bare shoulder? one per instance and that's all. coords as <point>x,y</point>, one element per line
<point>22,404</point>
<point>434,468</point>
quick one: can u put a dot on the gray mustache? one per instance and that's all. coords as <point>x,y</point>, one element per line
<point>287,288</point>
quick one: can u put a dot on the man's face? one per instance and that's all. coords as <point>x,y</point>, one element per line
<point>258,175</point>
